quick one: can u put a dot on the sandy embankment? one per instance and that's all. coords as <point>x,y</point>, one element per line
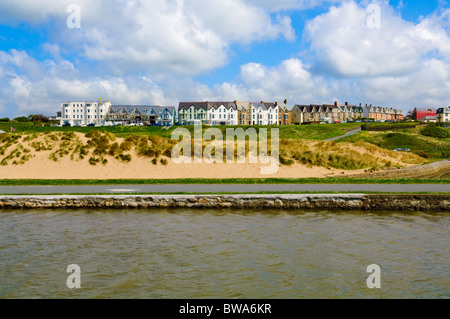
<point>41,167</point>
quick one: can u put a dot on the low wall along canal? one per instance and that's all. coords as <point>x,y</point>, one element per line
<point>390,202</point>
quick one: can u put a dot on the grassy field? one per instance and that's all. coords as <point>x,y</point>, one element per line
<point>333,180</point>
<point>425,146</point>
<point>314,132</point>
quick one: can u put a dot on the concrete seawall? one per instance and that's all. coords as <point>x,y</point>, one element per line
<point>289,201</point>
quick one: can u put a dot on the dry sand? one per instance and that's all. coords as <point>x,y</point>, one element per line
<point>41,167</point>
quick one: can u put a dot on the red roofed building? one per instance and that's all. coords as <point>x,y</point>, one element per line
<point>418,114</point>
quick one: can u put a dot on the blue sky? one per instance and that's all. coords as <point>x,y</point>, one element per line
<point>397,54</point>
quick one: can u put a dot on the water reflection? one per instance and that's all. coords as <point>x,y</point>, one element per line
<point>223,254</point>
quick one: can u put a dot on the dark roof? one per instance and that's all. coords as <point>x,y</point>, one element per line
<point>142,109</point>
<point>197,105</point>
<point>207,105</point>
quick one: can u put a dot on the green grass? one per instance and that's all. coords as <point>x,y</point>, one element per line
<point>314,132</point>
<point>427,147</point>
<point>332,180</point>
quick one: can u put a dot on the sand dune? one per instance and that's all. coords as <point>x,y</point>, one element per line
<point>39,166</point>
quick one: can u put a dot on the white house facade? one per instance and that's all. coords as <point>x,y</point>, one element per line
<point>208,113</point>
<point>84,113</point>
<point>443,115</point>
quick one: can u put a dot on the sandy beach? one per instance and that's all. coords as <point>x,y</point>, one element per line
<point>40,166</point>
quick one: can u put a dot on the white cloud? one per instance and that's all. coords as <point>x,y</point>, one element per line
<point>428,86</point>
<point>186,37</point>
<point>29,86</point>
<point>290,79</point>
<point>345,45</point>
<point>402,63</point>
<point>279,5</point>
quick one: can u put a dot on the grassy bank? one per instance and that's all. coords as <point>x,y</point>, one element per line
<point>314,132</point>
<point>428,147</point>
<point>60,182</point>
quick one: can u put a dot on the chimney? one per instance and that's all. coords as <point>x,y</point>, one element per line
<point>235,101</point>
<point>335,103</point>
<point>360,104</point>
<point>285,101</point>
<point>346,103</point>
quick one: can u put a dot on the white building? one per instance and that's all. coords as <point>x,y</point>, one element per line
<point>257,113</point>
<point>222,113</point>
<point>84,113</point>
<point>443,115</point>
<point>209,113</point>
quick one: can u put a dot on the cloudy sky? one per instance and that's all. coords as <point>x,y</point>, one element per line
<point>389,53</point>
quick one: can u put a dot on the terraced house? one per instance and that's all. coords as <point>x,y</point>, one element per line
<point>150,114</point>
<point>378,113</point>
<point>443,115</point>
<point>209,113</point>
<point>222,113</point>
<point>258,113</point>
<point>284,113</point>
<point>332,113</point>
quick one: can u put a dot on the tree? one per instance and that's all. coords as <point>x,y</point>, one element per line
<point>21,119</point>
<point>38,118</point>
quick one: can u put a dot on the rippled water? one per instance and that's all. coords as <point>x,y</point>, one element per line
<point>223,254</point>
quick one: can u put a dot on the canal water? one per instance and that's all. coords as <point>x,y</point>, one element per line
<point>223,254</point>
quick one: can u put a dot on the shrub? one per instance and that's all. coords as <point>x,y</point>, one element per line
<point>284,161</point>
<point>424,154</point>
<point>164,161</point>
<point>114,149</point>
<point>4,119</point>
<point>22,119</point>
<point>94,160</point>
<point>435,131</point>
<point>126,146</point>
<point>167,153</point>
<point>124,158</point>
<point>68,136</point>
<point>154,161</point>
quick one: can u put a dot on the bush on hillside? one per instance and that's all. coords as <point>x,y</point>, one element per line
<point>21,119</point>
<point>435,131</point>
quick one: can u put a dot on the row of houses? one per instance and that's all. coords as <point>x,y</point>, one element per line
<point>268,113</point>
<point>441,115</point>
<point>219,113</point>
<point>101,113</point>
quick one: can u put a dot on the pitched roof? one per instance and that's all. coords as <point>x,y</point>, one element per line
<point>140,109</point>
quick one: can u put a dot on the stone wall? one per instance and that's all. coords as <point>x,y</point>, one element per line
<point>288,202</point>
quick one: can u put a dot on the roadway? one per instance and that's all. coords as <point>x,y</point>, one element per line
<point>345,135</point>
<point>224,188</point>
